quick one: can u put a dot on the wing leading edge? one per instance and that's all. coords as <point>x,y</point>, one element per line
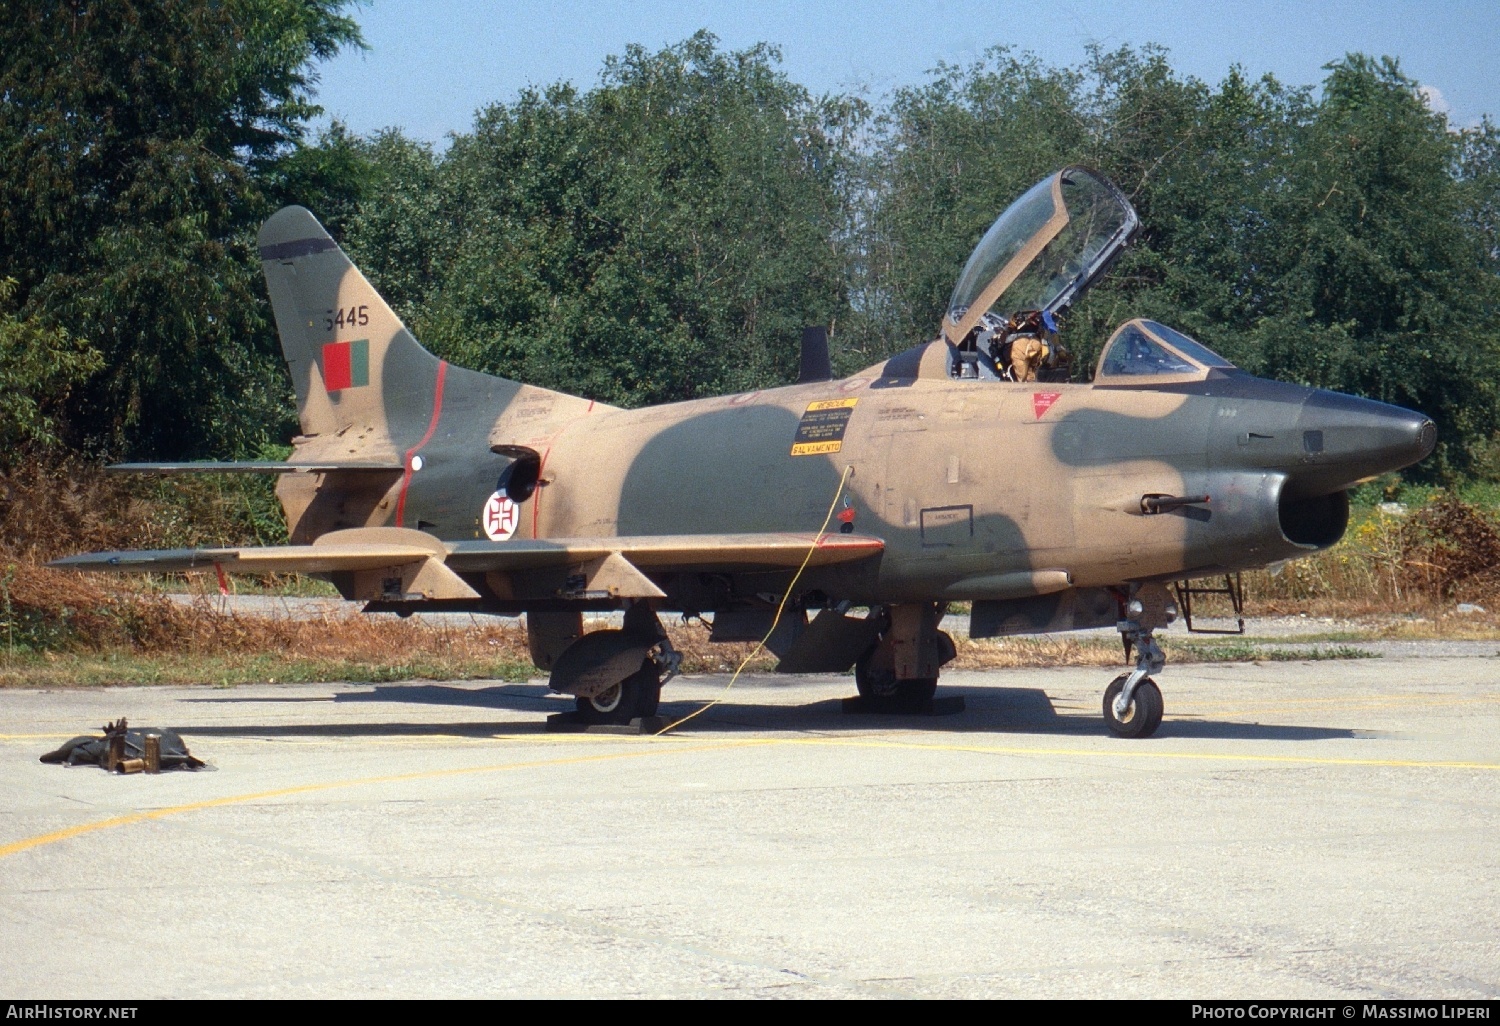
<point>387,562</point>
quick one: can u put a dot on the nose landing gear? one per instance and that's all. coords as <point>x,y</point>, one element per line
<point>1132,703</point>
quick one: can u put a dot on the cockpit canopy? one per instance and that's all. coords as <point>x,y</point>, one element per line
<point>1036,260</point>
<point>1043,252</point>
<point>1143,350</point>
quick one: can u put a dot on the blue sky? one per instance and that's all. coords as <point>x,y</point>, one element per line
<point>432,63</point>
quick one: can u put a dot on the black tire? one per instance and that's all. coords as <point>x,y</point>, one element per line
<point>875,677</point>
<point>875,673</point>
<point>913,695</point>
<point>636,696</point>
<point>650,675</point>
<point>1145,712</point>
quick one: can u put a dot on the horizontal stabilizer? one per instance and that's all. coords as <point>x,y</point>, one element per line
<point>252,467</point>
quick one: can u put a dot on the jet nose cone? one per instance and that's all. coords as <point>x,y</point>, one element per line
<point>1426,439</point>
<point>1398,437</point>
<point>1351,438</point>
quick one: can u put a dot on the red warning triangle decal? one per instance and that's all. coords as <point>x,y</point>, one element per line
<point>1041,402</point>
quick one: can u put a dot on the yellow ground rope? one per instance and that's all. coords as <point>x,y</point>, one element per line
<point>776,620</point>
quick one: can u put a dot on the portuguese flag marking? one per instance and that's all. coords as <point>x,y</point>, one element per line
<point>346,364</point>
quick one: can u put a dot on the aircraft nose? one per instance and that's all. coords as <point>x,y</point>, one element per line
<point>1355,438</point>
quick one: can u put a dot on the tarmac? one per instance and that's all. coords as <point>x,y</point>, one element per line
<point>1296,830</point>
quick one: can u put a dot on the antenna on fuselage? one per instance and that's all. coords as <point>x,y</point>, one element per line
<point>815,363</point>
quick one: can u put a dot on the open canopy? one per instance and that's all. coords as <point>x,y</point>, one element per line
<point>1043,252</point>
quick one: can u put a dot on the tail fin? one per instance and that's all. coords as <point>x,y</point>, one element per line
<point>353,363</point>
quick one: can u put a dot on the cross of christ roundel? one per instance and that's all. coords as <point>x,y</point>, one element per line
<point>500,517</point>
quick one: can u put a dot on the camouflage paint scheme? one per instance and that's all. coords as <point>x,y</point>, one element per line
<point>1026,499</point>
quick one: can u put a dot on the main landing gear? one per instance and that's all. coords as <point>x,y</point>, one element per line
<point>615,676</point>
<point>632,698</point>
<point>899,672</point>
<point>1132,702</point>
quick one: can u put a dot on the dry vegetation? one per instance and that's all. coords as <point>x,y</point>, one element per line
<point>1422,560</point>
<point>1400,574</point>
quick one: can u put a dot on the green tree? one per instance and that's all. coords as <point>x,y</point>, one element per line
<point>1390,289</point>
<point>137,142</point>
<point>39,368</point>
<point>662,236</point>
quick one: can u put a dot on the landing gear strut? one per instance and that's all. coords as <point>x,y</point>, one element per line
<point>1132,703</point>
<point>899,673</point>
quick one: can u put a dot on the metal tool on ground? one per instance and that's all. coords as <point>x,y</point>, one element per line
<point>124,750</point>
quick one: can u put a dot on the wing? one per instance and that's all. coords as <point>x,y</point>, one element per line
<point>385,563</point>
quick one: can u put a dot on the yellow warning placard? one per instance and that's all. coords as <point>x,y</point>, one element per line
<point>822,427</point>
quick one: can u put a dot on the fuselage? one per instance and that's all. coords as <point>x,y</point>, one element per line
<point>964,480</point>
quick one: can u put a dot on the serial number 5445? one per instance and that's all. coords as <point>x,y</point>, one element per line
<point>342,318</point>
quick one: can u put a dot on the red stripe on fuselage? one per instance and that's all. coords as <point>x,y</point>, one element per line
<point>536,497</point>
<point>437,412</point>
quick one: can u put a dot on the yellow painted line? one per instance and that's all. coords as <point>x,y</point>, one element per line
<point>139,817</point>
<point>263,738</point>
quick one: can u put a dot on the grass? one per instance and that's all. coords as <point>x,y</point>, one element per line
<point>1242,652</point>
<point>277,585</point>
<point>49,670</point>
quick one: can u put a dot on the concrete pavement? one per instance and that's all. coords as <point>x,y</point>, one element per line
<point>1326,829</point>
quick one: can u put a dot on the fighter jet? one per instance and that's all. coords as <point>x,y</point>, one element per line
<point>834,519</point>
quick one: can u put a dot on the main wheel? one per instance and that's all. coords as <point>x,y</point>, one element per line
<point>1144,714</point>
<point>875,677</point>
<point>636,696</point>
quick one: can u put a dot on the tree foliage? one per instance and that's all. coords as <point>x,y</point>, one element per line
<point>39,368</point>
<point>141,144</point>
<point>666,233</point>
<point>662,236</point>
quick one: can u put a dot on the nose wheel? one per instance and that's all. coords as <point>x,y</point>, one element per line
<point>1141,714</point>
<point>1132,703</point>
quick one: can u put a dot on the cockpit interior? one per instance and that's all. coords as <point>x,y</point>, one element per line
<point>1007,314</point>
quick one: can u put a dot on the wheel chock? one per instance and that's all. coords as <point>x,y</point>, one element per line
<point>944,705</point>
<point>572,723</point>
